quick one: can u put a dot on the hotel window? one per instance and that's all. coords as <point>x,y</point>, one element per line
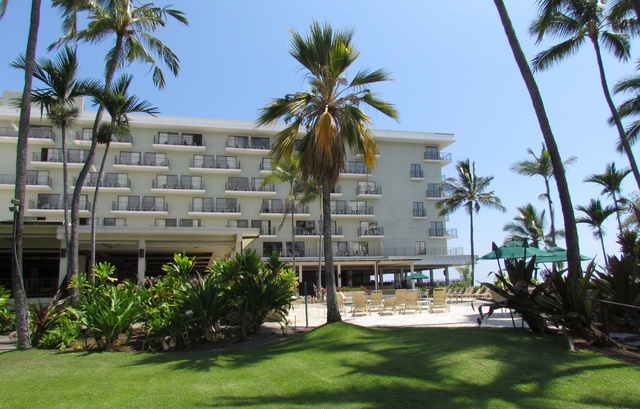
<point>299,249</point>
<point>421,248</point>
<point>226,205</point>
<point>268,247</point>
<point>434,190</point>
<point>260,143</point>
<point>437,229</point>
<point>418,209</point>
<point>129,158</point>
<point>431,152</point>
<point>416,170</point>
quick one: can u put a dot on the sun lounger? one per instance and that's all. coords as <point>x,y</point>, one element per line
<point>439,302</point>
<point>401,297</point>
<point>388,306</point>
<point>359,303</point>
<point>376,301</point>
<point>411,302</point>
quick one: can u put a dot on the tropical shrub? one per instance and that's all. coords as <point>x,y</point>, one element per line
<point>7,316</point>
<point>205,302</point>
<point>105,309</point>
<point>64,335</point>
<point>254,290</point>
<point>43,318</point>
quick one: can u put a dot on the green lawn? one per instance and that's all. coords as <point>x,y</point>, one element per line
<point>338,365</point>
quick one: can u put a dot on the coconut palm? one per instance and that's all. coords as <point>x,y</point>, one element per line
<point>572,240</point>
<point>611,182</point>
<point>470,191</point>
<point>61,88</point>
<point>530,225</point>
<point>19,294</point>
<point>118,104</point>
<point>131,26</point>
<point>621,9</point>
<point>541,166</point>
<point>331,115</point>
<point>595,215</point>
<point>580,21</point>
<point>630,107</point>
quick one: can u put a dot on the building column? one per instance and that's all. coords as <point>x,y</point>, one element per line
<point>431,276</point>
<point>413,282</point>
<point>300,273</point>
<point>375,276</point>
<point>339,275</point>
<point>142,261</point>
<point>62,269</point>
<point>446,275</point>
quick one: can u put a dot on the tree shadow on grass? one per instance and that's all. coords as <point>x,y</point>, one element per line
<point>350,366</point>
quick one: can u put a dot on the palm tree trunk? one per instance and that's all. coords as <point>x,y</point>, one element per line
<point>604,252</point>
<point>65,188</point>
<point>73,268</point>
<point>551,215</point>
<point>293,236</point>
<point>333,314</point>
<point>18,292</point>
<point>614,114</point>
<point>573,246</point>
<point>94,205</point>
<point>473,259</point>
<point>615,204</point>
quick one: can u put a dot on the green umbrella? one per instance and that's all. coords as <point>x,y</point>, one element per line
<point>513,249</point>
<point>417,276</point>
<point>556,255</point>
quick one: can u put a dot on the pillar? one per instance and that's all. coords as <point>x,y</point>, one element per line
<point>446,275</point>
<point>62,269</point>
<point>375,276</point>
<point>339,282</point>
<point>413,282</point>
<point>142,260</point>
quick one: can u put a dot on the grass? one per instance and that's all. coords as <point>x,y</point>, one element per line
<point>337,365</point>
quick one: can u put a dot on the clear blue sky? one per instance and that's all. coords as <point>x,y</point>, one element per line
<point>453,72</point>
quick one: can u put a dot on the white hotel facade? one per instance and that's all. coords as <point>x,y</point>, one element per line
<point>195,185</point>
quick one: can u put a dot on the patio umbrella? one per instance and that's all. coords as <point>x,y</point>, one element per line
<point>417,276</point>
<point>513,249</point>
<point>556,255</point>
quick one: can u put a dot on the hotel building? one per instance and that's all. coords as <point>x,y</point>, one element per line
<point>196,185</point>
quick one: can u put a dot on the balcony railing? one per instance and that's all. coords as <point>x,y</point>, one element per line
<point>131,207</point>
<point>437,156</point>
<point>353,211</point>
<point>370,231</point>
<point>177,186</point>
<point>364,190</point>
<point>268,231</point>
<point>87,135</point>
<point>419,212</point>
<point>178,139</point>
<point>452,233</point>
<point>435,194</point>
<point>418,174</point>
<point>33,205</point>
<point>242,144</point>
<point>214,209</point>
<point>242,187</point>
<point>215,164</point>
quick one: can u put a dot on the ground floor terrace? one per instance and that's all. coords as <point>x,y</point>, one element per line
<point>138,253</point>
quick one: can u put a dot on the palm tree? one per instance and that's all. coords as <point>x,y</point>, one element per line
<point>595,215</point>
<point>621,8</point>
<point>330,112</point>
<point>18,292</point>
<point>287,170</point>
<point>118,105</point>
<point>611,182</point>
<point>529,225</point>
<point>131,25</point>
<point>541,166</point>
<point>468,190</point>
<point>582,20</point>
<point>629,108</point>
<point>572,240</point>
<point>57,98</point>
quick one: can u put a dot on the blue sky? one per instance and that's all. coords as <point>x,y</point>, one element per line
<point>453,72</point>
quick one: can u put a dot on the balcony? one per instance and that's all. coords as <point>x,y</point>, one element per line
<point>41,136</point>
<point>252,189</point>
<point>212,210</point>
<point>210,164</point>
<point>37,183</point>
<point>246,145</point>
<point>178,188</point>
<point>83,138</point>
<point>357,172</point>
<point>353,212</point>
<point>440,157</point>
<point>417,251</point>
<point>419,213</point>
<point>336,192</point>
<point>137,164</point>
<point>137,208</point>
<point>268,231</point>
<point>52,159</point>
<point>181,142</point>
<point>41,208</point>
<point>371,232</point>
<point>372,192</point>
<point>443,233</point>
<point>435,194</point>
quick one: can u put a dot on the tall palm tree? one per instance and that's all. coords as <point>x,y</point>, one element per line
<point>630,107</point>
<point>470,191</point>
<point>541,166</point>
<point>530,225</point>
<point>595,215</point>
<point>572,240</point>
<point>581,21</point>
<point>621,8</point>
<point>118,104</point>
<point>330,113</point>
<point>611,182</point>
<point>18,293</point>
<point>61,88</point>
<point>131,26</point>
